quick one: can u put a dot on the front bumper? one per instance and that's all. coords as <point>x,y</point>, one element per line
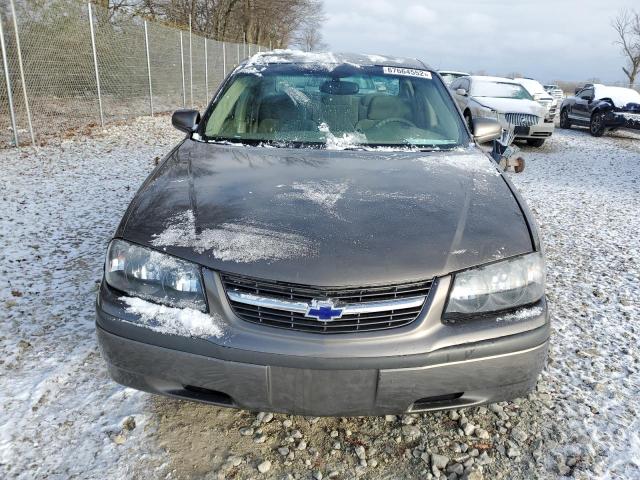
<point>540,130</point>
<point>424,366</point>
<point>623,120</point>
<point>348,391</point>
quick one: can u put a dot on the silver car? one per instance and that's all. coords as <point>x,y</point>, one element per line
<point>505,100</point>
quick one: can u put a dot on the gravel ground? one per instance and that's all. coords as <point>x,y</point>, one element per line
<point>61,417</point>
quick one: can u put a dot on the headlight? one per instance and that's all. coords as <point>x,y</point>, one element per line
<point>154,276</point>
<point>491,114</point>
<point>499,286</point>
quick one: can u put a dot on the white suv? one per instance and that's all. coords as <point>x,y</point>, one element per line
<point>541,96</point>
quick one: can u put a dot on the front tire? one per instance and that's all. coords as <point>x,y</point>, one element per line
<point>535,142</point>
<point>596,125</point>
<point>564,119</point>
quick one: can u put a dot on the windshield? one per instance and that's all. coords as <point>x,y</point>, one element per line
<point>449,77</point>
<point>486,88</point>
<point>344,107</point>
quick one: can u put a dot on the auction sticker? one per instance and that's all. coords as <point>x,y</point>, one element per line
<point>407,72</point>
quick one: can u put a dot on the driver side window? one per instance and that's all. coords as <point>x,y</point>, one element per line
<point>586,94</point>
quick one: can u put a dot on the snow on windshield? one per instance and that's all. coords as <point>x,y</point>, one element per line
<point>620,96</point>
<point>486,88</point>
<point>233,242</point>
<point>344,141</point>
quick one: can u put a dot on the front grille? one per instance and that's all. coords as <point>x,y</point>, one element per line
<point>348,323</point>
<point>521,119</point>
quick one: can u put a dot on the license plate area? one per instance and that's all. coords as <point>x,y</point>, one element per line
<point>322,392</point>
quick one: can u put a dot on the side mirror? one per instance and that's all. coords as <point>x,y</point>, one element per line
<point>462,92</point>
<point>486,130</point>
<point>537,97</point>
<point>576,90</point>
<point>185,120</point>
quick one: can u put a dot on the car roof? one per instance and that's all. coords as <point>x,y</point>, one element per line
<point>493,79</point>
<point>526,79</point>
<point>331,58</point>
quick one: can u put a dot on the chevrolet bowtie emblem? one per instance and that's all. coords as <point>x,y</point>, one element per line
<point>323,310</point>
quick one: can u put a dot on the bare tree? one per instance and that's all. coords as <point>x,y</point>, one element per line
<point>308,36</point>
<point>277,23</point>
<point>627,27</point>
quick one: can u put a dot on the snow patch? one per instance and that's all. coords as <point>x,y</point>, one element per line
<point>347,140</point>
<point>472,163</point>
<point>324,193</point>
<point>326,60</point>
<point>521,314</point>
<point>233,242</point>
<point>417,197</point>
<point>186,322</point>
<point>620,96</point>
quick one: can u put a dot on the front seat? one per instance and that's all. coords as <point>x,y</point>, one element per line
<point>382,107</point>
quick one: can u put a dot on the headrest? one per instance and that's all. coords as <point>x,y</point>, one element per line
<point>387,106</point>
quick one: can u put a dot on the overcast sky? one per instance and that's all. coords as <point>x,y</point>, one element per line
<point>546,39</point>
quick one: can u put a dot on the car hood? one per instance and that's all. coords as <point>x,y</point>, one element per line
<point>328,218</point>
<point>505,105</point>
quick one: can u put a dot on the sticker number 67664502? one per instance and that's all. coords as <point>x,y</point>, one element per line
<point>407,72</point>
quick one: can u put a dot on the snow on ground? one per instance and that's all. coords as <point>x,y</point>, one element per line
<point>61,416</point>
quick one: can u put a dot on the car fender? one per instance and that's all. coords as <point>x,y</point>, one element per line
<point>568,103</point>
<point>602,105</point>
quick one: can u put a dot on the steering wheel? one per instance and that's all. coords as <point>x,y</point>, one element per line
<point>385,121</point>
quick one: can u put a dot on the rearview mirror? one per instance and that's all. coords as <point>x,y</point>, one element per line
<point>537,97</point>
<point>185,120</point>
<point>576,90</point>
<point>486,130</point>
<point>462,92</point>
<point>338,87</point>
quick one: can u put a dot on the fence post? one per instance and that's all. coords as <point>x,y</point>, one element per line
<point>224,60</point>
<point>206,73</point>
<point>238,54</point>
<point>146,46</point>
<point>244,45</point>
<point>190,66</point>
<point>184,91</point>
<point>95,63</point>
<point>24,85</point>
<point>6,76</point>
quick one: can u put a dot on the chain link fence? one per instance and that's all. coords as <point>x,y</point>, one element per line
<point>137,68</point>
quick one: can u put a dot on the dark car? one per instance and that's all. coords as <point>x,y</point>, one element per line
<point>314,249</point>
<point>602,108</point>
